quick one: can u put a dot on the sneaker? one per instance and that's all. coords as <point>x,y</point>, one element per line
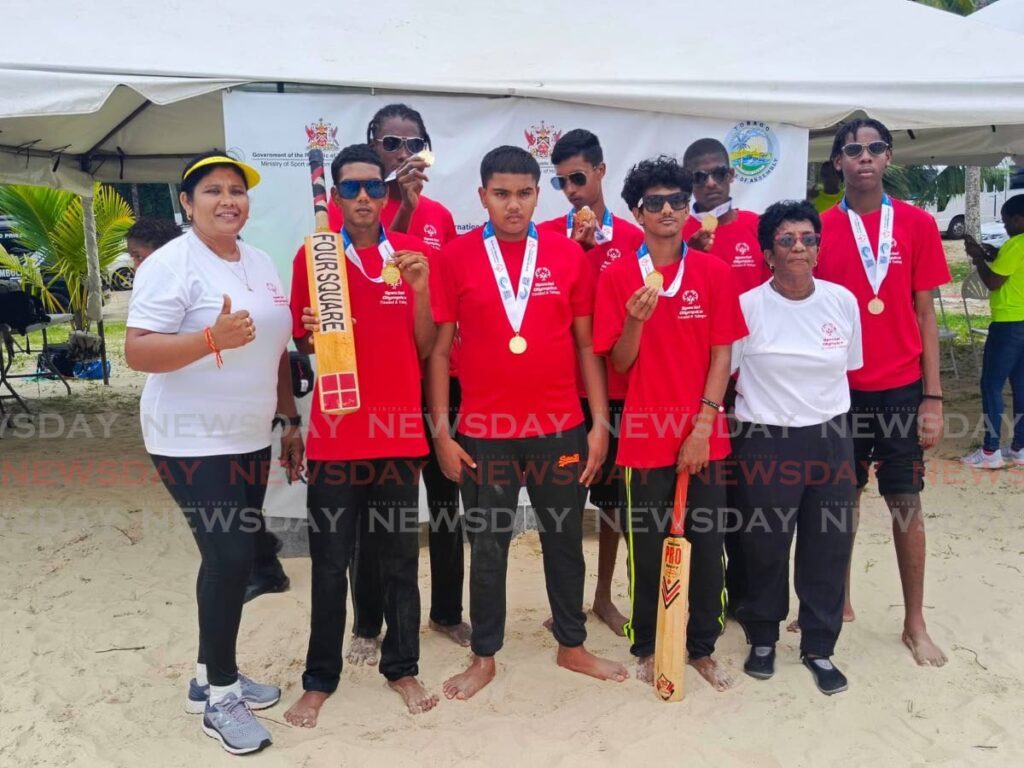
<point>256,695</point>
<point>982,460</point>
<point>1015,457</point>
<point>827,676</point>
<point>760,662</point>
<point>265,580</point>
<point>233,725</point>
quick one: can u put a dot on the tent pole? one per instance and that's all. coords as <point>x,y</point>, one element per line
<point>94,288</point>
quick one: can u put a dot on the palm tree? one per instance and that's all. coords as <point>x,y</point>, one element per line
<point>926,185</point>
<point>48,223</point>
<point>961,7</point>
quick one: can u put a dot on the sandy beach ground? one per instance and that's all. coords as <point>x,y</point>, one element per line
<point>98,634</point>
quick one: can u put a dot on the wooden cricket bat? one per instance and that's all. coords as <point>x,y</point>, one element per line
<point>334,339</point>
<point>673,603</point>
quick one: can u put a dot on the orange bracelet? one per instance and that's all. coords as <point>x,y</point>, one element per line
<point>208,333</point>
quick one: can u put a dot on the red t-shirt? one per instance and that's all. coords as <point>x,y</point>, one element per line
<point>626,241</point>
<point>736,244</point>
<point>505,395</point>
<point>431,222</point>
<point>389,422</point>
<point>666,382</point>
<point>892,340</point>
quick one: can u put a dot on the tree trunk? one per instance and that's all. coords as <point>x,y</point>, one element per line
<point>136,204</point>
<point>972,201</point>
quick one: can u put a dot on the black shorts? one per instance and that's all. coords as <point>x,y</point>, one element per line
<point>884,429</point>
<point>608,491</point>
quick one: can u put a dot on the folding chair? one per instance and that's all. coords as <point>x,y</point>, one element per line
<point>946,335</point>
<point>974,288</point>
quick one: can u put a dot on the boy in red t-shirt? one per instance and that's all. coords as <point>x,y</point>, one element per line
<point>889,255</point>
<point>668,316</point>
<point>579,163</point>
<point>523,302</point>
<point>397,134</point>
<point>364,467</point>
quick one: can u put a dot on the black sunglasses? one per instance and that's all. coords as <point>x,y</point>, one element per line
<point>656,203</point>
<point>414,144</point>
<point>719,174</point>
<point>577,178</point>
<point>375,188</point>
<point>809,240</point>
<point>856,149</point>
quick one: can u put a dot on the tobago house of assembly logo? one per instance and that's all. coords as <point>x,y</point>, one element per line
<point>753,150</point>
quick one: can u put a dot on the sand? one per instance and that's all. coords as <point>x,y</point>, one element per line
<point>97,637</point>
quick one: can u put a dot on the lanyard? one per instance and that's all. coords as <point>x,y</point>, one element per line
<point>602,235</point>
<point>647,267</point>
<point>387,253</point>
<point>514,301</point>
<point>874,268</point>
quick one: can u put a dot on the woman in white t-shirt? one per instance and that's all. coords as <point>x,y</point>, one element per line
<point>210,323</point>
<point>793,452</point>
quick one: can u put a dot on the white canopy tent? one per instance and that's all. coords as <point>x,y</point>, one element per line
<point>127,93</point>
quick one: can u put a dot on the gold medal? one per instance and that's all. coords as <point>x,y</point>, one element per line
<point>427,156</point>
<point>655,280</point>
<point>584,215</point>
<point>517,345</point>
<point>391,275</point>
<point>876,306</point>
<point>709,223</point>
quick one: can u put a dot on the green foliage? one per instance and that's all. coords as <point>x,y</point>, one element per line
<point>926,185</point>
<point>961,7</point>
<point>49,223</point>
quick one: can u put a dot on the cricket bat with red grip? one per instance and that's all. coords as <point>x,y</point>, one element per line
<point>334,338</point>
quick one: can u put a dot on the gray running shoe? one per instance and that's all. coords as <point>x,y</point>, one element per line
<point>233,725</point>
<point>256,695</point>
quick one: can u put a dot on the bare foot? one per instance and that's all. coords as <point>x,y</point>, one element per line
<point>579,659</point>
<point>362,650</point>
<point>793,626</point>
<point>645,669</point>
<point>714,674</point>
<point>459,634</point>
<point>414,694</point>
<point>304,712</point>
<point>848,614</point>
<point>606,611</point>
<point>478,674</point>
<point>926,653</point>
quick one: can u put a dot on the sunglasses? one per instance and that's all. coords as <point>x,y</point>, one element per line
<point>375,188</point>
<point>577,179</point>
<point>719,174</point>
<point>856,149</point>
<point>809,240</point>
<point>656,203</point>
<point>414,144</point>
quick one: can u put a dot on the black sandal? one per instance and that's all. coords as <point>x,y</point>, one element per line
<point>760,664</point>
<point>826,676</point>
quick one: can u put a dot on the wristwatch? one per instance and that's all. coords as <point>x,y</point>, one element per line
<point>291,421</point>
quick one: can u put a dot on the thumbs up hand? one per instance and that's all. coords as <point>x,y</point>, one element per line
<point>232,329</point>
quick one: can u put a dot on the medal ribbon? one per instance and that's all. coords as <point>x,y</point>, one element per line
<point>874,268</point>
<point>387,253</point>
<point>602,235</point>
<point>646,263</point>
<point>514,301</point>
<point>718,211</point>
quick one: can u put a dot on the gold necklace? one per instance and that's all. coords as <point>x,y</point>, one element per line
<point>244,277</point>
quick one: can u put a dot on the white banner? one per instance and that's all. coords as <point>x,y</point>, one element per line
<point>274,132</point>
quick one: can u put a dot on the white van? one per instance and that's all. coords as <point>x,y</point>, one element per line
<point>951,218</point>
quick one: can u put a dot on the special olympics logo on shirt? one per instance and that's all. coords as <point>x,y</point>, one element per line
<point>690,296</point>
<point>543,273</point>
<point>753,150</point>
<point>430,230</point>
<point>742,249</point>
<point>612,255</point>
<point>829,329</point>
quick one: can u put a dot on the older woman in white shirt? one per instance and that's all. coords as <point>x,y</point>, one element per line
<point>210,323</point>
<point>793,451</point>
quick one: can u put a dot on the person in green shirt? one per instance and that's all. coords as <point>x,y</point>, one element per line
<point>1004,346</point>
<point>831,191</point>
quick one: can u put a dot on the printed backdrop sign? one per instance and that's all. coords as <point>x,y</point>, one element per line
<point>274,132</point>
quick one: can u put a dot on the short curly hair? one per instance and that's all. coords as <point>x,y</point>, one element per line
<point>153,232</point>
<point>661,171</point>
<point>782,211</point>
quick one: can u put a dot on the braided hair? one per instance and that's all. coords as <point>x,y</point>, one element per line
<point>400,111</point>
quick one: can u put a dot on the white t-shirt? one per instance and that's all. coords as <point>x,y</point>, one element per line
<point>792,367</point>
<point>202,410</point>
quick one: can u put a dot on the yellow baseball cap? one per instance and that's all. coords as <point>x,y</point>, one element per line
<point>252,176</point>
